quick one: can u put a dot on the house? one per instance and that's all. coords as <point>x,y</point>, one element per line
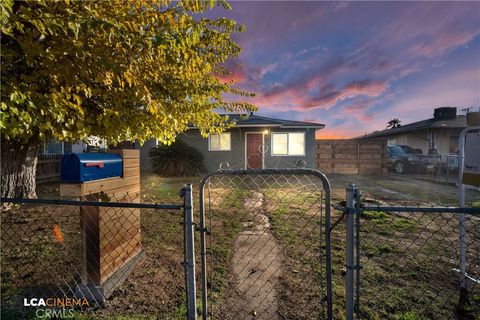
<point>54,147</point>
<point>254,142</point>
<point>437,135</point>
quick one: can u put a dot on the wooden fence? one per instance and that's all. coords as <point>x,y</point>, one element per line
<point>48,168</point>
<point>352,156</point>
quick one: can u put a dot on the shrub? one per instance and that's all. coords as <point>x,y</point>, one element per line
<point>177,159</point>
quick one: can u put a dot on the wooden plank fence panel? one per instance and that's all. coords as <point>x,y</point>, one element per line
<point>352,156</point>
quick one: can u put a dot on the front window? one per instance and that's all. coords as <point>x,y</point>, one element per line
<point>219,142</point>
<point>288,144</point>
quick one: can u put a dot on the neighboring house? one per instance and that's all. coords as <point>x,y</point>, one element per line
<point>254,142</point>
<point>438,135</point>
<point>53,147</point>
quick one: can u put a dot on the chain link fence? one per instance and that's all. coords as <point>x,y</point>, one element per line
<point>264,244</point>
<point>102,256</point>
<point>265,249</point>
<point>408,262</point>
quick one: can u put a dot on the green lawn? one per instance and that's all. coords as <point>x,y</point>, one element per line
<point>408,262</point>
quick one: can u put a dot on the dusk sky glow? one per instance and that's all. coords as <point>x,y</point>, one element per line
<point>355,65</point>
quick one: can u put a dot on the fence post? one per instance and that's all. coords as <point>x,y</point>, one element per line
<point>463,247</point>
<point>358,210</point>
<point>203,249</point>
<point>350,249</point>
<point>189,250</point>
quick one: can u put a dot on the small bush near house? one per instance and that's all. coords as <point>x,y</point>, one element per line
<point>178,159</point>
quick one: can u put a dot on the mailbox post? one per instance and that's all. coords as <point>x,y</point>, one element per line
<point>111,236</point>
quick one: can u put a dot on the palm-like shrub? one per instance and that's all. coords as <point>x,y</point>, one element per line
<point>178,159</point>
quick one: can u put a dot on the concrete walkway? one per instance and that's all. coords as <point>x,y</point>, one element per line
<point>256,265</point>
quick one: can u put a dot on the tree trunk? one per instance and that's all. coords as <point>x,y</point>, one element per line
<point>19,166</point>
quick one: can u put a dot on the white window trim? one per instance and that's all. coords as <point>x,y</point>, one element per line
<point>288,138</point>
<point>229,145</point>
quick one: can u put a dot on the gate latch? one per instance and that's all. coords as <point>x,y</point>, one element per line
<point>200,229</point>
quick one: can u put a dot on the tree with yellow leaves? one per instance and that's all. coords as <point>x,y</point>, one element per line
<point>117,69</point>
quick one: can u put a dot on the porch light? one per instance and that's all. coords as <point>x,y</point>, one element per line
<point>265,131</point>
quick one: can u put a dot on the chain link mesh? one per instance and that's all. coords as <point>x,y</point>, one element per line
<point>123,261</point>
<point>410,264</point>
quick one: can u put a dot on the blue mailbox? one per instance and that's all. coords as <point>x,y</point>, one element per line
<point>82,167</point>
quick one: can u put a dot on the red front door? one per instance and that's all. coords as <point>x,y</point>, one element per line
<point>254,151</point>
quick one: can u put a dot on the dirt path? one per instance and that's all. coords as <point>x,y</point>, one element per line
<point>256,266</point>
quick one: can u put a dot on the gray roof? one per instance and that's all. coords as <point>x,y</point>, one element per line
<point>252,120</point>
<point>458,122</point>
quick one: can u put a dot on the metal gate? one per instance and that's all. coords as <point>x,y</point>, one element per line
<point>265,245</point>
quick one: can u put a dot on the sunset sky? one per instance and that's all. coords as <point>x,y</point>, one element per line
<point>355,65</point>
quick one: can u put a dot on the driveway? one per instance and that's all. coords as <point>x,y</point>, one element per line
<point>402,188</point>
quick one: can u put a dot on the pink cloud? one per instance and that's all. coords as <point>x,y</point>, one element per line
<point>366,87</point>
<point>330,96</point>
<point>357,111</point>
<point>337,133</point>
<point>297,96</point>
<point>443,43</point>
<point>308,73</point>
<point>237,75</point>
<point>458,89</point>
<point>419,35</point>
<point>246,76</point>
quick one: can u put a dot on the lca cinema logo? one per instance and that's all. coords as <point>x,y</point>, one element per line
<point>55,308</point>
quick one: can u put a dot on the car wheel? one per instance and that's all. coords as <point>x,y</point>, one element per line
<point>399,167</point>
